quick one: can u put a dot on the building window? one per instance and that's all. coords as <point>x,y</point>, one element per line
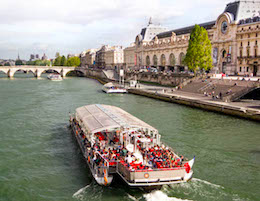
<point>242,36</point>
<point>240,69</point>
<point>248,43</point>
<point>248,53</point>
<point>248,35</point>
<point>241,53</point>
<point>247,69</point>
<point>224,54</point>
<point>241,44</point>
<point>256,35</point>
<point>255,52</point>
<point>256,42</point>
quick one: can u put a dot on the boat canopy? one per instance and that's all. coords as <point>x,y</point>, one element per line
<point>110,84</point>
<point>97,117</point>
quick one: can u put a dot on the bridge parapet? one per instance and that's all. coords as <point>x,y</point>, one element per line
<point>38,70</point>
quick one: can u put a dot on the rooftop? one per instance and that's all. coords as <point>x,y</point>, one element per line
<point>99,117</point>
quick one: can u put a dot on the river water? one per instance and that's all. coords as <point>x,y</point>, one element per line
<point>40,159</point>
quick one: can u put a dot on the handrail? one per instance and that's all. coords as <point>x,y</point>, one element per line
<point>152,170</point>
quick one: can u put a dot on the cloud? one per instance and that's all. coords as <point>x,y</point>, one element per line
<point>70,26</point>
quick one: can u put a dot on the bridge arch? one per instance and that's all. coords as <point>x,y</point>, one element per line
<point>3,72</point>
<point>77,71</point>
<point>27,71</point>
<point>44,71</point>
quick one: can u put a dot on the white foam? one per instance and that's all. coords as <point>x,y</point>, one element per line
<point>78,195</point>
<point>207,182</point>
<point>159,195</point>
<point>132,197</point>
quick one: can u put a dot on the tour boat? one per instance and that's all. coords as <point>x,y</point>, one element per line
<point>114,142</point>
<point>54,77</point>
<point>113,88</point>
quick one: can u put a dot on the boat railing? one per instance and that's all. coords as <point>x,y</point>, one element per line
<point>151,175</point>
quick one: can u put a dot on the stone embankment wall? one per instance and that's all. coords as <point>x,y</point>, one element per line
<point>172,79</point>
<point>226,109</point>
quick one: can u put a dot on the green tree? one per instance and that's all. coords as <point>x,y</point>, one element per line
<point>63,61</point>
<point>57,54</point>
<point>73,61</point>
<point>199,50</point>
<point>57,61</point>
<point>18,62</point>
<point>7,64</point>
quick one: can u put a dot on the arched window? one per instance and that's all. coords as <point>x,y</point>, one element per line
<point>155,60</point>
<point>181,58</point>
<point>172,60</point>
<point>224,54</point>
<point>147,61</point>
<point>163,60</point>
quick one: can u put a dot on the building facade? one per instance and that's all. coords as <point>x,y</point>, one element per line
<point>114,57</point>
<point>88,58</point>
<point>100,56</point>
<point>234,36</point>
<point>129,57</point>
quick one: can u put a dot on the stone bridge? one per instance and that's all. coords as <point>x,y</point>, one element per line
<point>38,70</point>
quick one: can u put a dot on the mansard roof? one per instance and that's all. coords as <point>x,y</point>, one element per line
<point>243,9</point>
<point>185,30</point>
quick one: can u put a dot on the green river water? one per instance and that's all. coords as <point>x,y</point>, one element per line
<point>40,159</point>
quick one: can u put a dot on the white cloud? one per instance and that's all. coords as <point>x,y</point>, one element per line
<point>71,26</point>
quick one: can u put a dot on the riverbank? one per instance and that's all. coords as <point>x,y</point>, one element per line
<point>245,110</point>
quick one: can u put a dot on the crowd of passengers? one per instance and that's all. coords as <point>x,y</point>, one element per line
<point>154,157</point>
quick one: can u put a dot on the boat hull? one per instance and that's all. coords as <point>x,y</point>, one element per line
<point>115,91</point>
<point>99,179</point>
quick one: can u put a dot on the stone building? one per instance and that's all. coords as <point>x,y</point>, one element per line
<point>114,57</point>
<point>129,57</point>
<point>234,35</point>
<point>100,56</point>
<point>88,58</point>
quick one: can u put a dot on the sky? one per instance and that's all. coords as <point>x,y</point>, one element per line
<point>72,26</point>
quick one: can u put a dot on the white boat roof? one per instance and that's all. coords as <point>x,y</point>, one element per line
<point>110,84</point>
<point>99,117</point>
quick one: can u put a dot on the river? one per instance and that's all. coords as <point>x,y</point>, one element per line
<point>40,159</point>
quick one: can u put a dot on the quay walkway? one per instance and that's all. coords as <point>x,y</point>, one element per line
<point>245,109</point>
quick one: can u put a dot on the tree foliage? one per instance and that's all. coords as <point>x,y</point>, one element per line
<point>57,61</point>
<point>39,63</point>
<point>73,61</point>
<point>18,62</point>
<point>199,50</point>
<point>63,61</point>
<point>57,54</point>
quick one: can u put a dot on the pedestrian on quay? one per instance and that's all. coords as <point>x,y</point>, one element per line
<point>220,95</point>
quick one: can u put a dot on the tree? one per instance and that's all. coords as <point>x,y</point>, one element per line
<point>63,61</point>
<point>18,62</point>
<point>199,50</point>
<point>73,61</point>
<point>57,61</point>
<point>7,64</point>
<point>57,54</point>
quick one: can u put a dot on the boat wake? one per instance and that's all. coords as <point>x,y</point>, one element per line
<point>79,194</point>
<point>160,195</point>
<point>207,182</point>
